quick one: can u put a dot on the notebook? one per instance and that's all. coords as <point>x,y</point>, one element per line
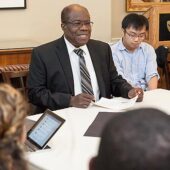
<point>97,126</point>
<point>43,130</point>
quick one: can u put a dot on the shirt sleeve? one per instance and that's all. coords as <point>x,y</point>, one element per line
<point>151,64</point>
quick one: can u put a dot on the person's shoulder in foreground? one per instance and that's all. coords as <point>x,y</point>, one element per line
<point>137,139</point>
<point>55,78</point>
<point>132,50</point>
<point>13,110</point>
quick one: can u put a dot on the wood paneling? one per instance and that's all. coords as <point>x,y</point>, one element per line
<point>15,56</point>
<point>143,5</point>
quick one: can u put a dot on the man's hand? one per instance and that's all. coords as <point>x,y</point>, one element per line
<point>134,92</point>
<point>82,100</point>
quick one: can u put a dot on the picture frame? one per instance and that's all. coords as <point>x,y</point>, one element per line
<point>143,5</point>
<point>159,19</point>
<point>12,4</point>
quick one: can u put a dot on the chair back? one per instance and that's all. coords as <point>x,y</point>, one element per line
<point>163,63</point>
<point>166,71</point>
<point>16,75</point>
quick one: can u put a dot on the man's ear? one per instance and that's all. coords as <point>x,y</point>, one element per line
<point>92,163</point>
<point>63,26</point>
<point>123,31</point>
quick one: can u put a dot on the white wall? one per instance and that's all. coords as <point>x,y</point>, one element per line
<point>40,21</point>
<point>118,13</point>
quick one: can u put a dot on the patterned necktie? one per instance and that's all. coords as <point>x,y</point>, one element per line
<point>85,76</point>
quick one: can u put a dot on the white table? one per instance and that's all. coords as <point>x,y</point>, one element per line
<point>70,149</point>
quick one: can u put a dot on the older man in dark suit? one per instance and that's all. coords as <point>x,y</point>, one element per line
<point>55,78</point>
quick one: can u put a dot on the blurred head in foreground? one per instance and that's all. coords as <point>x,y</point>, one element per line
<point>135,140</point>
<point>13,110</point>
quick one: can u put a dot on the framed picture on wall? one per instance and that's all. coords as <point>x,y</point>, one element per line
<point>164,27</point>
<point>12,4</point>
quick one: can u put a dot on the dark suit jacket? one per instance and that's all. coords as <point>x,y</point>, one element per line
<point>50,80</point>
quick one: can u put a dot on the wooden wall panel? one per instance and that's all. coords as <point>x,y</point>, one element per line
<point>15,56</point>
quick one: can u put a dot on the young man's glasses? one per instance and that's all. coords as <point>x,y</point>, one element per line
<point>79,24</point>
<point>133,36</point>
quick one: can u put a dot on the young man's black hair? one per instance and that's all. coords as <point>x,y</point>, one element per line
<point>136,21</point>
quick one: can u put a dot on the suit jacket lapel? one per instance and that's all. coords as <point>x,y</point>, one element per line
<point>97,67</point>
<point>65,63</point>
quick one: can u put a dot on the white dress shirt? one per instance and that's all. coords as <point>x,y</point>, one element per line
<point>74,60</point>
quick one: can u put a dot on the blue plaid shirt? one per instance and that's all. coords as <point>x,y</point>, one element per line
<point>136,67</point>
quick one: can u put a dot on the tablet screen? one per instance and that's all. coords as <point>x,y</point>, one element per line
<point>44,129</point>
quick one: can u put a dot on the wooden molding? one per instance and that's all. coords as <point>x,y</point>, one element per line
<point>136,5</point>
<point>153,17</point>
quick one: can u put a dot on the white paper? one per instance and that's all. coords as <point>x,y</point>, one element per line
<point>116,103</point>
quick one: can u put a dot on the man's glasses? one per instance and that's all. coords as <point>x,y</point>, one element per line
<point>79,24</point>
<point>134,36</point>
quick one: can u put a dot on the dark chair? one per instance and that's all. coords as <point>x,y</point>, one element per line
<point>163,63</point>
<point>167,74</point>
<point>16,75</point>
<point>17,79</point>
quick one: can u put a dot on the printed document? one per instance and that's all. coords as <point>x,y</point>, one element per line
<point>116,103</point>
